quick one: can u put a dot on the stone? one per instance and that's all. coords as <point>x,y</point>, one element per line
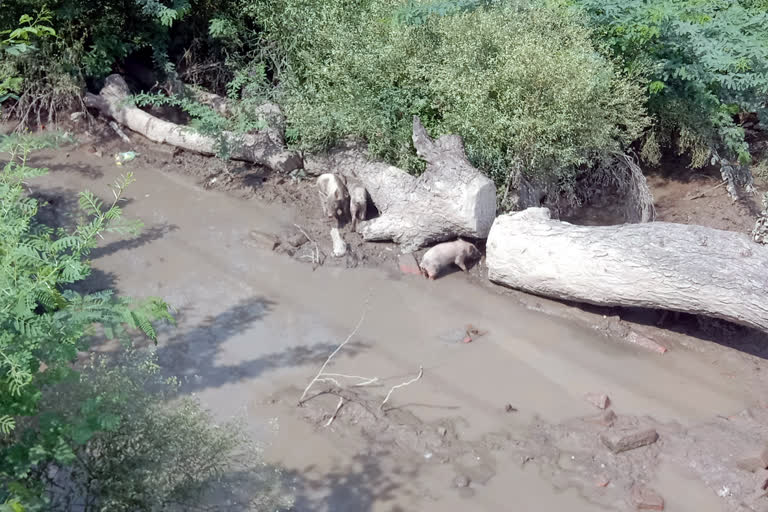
<point>296,239</point>
<point>644,498</point>
<point>76,116</point>
<point>442,431</point>
<point>263,240</point>
<point>461,481</point>
<point>606,419</point>
<point>624,440</point>
<point>601,401</point>
<point>645,342</point>
<point>754,464</point>
<point>409,264</point>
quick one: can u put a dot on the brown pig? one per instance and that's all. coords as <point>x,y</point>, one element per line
<point>334,196</point>
<point>441,256</point>
<point>358,204</point>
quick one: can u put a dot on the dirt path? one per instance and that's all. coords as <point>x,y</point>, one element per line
<point>254,326</point>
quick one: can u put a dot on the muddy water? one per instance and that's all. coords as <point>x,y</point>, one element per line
<point>253,324</point>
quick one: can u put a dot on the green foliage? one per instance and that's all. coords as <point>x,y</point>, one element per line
<point>132,443</point>
<point>43,322</point>
<point>521,84</point>
<point>702,61</point>
<point>17,44</point>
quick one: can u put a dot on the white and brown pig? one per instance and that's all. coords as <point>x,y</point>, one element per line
<point>358,204</point>
<point>334,196</point>
<point>442,256</point>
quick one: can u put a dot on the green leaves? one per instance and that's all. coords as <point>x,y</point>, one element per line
<point>43,323</point>
<point>706,53</point>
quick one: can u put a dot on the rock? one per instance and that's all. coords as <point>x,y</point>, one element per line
<point>296,239</point>
<point>461,481</point>
<point>606,419</point>
<point>409,264</point>
<point>761,479</point>
<point>76,116</point>
<point>339,245</point>
<point>98,153</point>
<point>598,400</point>
<point>624,440</point>
<point>442,431</point>
<point>262,240</point>
<point>645,342</point>
<point>754,464</point>
<point>644,498</point>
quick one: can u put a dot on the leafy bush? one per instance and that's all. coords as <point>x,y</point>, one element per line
<point>132,450</point>
<point>43,322</point>
<point>523,85</point>
<point>702,61</point>
<point>18,44</point>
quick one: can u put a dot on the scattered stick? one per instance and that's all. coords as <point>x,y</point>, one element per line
<point>320,375</point>
<point>418,377</point>
<point>316,254</point>
<point>120,133</point>
<point>333,416</point>
<point>701,194</point>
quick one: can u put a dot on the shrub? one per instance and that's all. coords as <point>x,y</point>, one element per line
<point>702,62</point>
<point>522,85</point>
<point>137,445</point>
<point>43,322</point>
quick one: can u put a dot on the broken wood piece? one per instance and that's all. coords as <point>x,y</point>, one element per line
<point>450,199</point>
<point>114,101</point>
<point>658,265</point>
<point>120,133</point>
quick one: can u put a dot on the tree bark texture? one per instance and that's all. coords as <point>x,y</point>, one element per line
<point>450,199</point>
<point>660,265</point>
<point>260,148</point>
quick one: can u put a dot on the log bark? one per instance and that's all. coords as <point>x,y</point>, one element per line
<point>450,199</point>
<point>658,265</point>
<point>260,148</point>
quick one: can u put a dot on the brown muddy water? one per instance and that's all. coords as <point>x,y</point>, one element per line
<point>255,326</point>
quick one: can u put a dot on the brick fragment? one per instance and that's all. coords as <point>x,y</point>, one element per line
<point>624,440</point>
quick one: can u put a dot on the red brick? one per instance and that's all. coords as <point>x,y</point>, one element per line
<point>624,440</point>
<point>408,264</point>
<point>644,498</point>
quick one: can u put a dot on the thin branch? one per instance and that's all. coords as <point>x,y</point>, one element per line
<point>418,377</point>
<point>316,255</point>
<point>333,416</point>
<point>366,380</point>
<point>336,351</point>
<point>701,194</point>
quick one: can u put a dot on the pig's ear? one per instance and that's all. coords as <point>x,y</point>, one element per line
<point>337,194</point>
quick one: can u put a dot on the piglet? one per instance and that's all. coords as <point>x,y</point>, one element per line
<point>358,204</point>
<point>334,196</point>
<point>441,256</point>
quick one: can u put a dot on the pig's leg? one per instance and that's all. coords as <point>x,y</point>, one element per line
<point>460,262</point>
<point>322,203</point>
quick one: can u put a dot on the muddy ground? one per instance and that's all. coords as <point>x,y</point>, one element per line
<point>501,423</point>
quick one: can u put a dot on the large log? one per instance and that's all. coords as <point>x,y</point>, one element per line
<point>451,198</point>
<point>114,101</point>
<point>658,265</point>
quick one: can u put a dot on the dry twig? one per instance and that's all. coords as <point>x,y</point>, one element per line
<point>402,385</point>
<point>316,254</point>
<point>320,376</point>
<point>701,194</point>
<point>333,416</point>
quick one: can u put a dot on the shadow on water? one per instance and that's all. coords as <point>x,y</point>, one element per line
<point>194,352</point>
<point>354,488</point>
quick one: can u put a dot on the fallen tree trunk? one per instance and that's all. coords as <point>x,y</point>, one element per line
<point>659,265</point>
<point>260,148</point>
<point>450,199</point>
